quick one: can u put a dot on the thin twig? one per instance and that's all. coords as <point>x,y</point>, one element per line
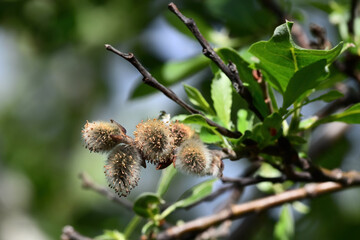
<point>230,70</point>
<point>87,183</point>
<point>151,81</point>
<point>237,211</point>
<point>69,233</point>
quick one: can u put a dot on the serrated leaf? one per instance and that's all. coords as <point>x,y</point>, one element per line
<point>172,72</point>
<point>221,94</point>
<point>284,228</point>
<point>197,99</point>
<point>147,205</point>
<point>280,57</point>
<point>166,177</point>
<point>245,73</point>
<point>191,196</point>
<point>305,79</point>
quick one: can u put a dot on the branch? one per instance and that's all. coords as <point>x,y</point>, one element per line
<point>230,70</point>
<point>87,183</point>
<point>69,233</point>
<point>237,211</point>
<point>151,81</point>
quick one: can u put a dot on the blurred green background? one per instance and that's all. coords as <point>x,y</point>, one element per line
<point>55,74</point>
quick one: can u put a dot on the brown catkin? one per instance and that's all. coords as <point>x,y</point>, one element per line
<point>97,135</point>
<point>155,141</point>
<point>122,168</point>
<point>193,157</point>
<point>181,132</point>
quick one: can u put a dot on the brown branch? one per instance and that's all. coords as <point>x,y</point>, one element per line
<point>69,233</point>
<point>87,183</point>
<point>230,70</point>
<point>151,81</point>
<point>237,211</point>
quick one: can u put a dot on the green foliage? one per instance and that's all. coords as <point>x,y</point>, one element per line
<point>221,94</point>
<point>191,196</point>
<point>280,57</point>
<point>284,228</point>
<point>147,205</point>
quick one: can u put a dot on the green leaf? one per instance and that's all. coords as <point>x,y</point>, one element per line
<point>197,99</point>
<point>166,177</point>
<point>284,228</point>
<point>245,73</point>
<point>148,227</point>
<point>172,72</point>
<point>350,115</point>
<point>305,79</point>
<point>244,120</point>
<point>329,96</point>
<point>221,94</point>
<point>147,205</point>
<point>280,57</point>
<point>208,136</point>
<point>191,196</point>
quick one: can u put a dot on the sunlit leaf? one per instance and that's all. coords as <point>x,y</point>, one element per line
<point>221,94</point>
<point>197,99</point>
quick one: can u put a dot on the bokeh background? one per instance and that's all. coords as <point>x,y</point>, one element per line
<point>55,74</point>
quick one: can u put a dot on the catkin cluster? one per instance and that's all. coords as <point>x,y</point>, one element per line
<point>155,141</point>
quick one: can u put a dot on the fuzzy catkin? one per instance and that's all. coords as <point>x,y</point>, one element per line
<point>155,141</point>
<point>193,157</point>
<point>122,168</point>
<point>97,135</point>
<point>181,132</point>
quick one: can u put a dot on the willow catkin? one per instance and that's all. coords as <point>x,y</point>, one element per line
<point>155,141</point>
<point>122,168</point>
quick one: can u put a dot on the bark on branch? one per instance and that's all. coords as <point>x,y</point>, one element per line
<point>237,211</point>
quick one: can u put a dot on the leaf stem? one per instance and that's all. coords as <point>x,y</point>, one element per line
<point>131,226</point>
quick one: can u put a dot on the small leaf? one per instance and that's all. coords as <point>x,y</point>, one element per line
<point>166,177</point>
<point>221,94</point>
<point>197,99</point>
<point>191,196</point>
<point>148,227</point>
<point>305,79</point>
<point>284,228</point>
<point>147,205</point>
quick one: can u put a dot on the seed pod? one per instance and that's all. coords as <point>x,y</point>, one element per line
<point>181,132</point>
<point>122,168</point>
<point>98,135</point>
<point>193,157</point>
<point>155,141</point>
